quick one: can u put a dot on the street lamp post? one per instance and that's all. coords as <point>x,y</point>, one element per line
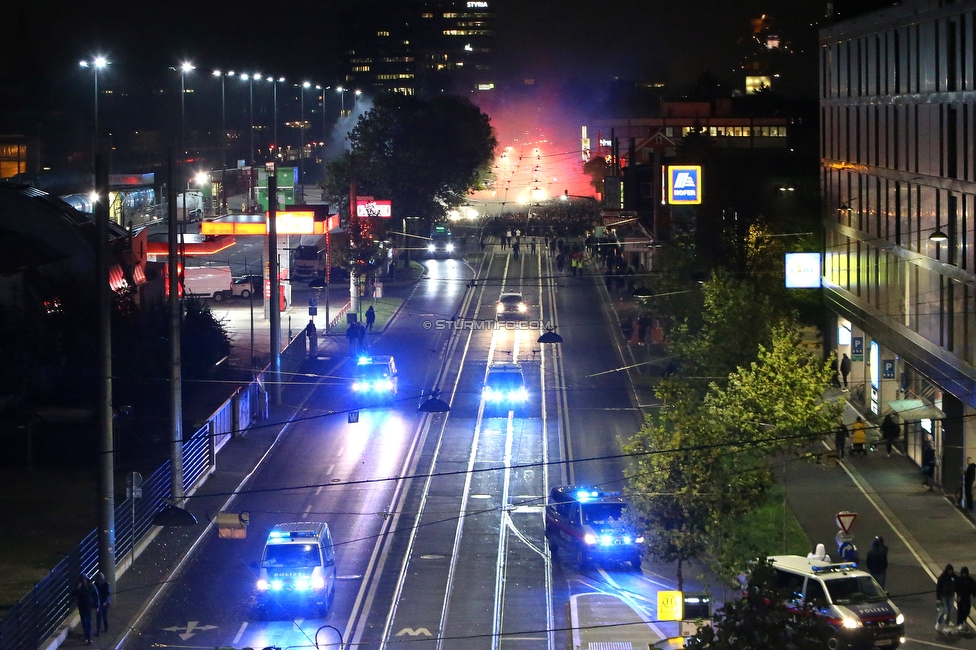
<point>223,136</point>
<point>96,64</point>
<point>355,100</point>
<point>301,144</point>
<point>275,81</point>
<point>325,124</point>
<point>342,100</point>
<point>250,83</point>
<point>185,67</point>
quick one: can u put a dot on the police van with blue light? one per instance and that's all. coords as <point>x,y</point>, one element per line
<point>376,377</point>
<point>851,600</point>
<point>593,525</point>
<point>504,387</point>
<point>298,566</point>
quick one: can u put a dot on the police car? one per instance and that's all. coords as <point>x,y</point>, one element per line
<point>504,387</point>
<point>592,525</point>
<point>852,601</point>
<point>298,566</point>
<point>376,377</point>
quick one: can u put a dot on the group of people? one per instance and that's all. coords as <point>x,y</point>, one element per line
<point>356,333</point>
<point>953,589</point>
<point>93,599</point>
<point>859,437</point>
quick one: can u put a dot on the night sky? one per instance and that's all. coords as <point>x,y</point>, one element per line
<point>577,39</point>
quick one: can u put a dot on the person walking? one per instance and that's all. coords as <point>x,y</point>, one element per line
<point>859,437</point>
<point>928,464</point>
<point>104,592</point>
<point>968,478</point>
<point>845,368</point>
<point>840,439</point>
<point>835,377</point>
<point>86,598</point>
<point>965,588</point>
<point>945,593</point>
<point>370,318</point>
<point>361,333</point>
<point>890,432</point>
<point>877,560</point>
<point>353,337</point>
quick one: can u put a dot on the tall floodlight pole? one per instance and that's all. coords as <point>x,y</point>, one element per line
<point>176,362</point>
<point>301,147</point>
<point>185,67</point>
<point>106,483</point>
<point>325,123</point>
<point>274,81</point>
<point>250,83</point>
<point>342,100</point>
<point>223,136</point>
<point>96,64</point>
<point>355,100</point>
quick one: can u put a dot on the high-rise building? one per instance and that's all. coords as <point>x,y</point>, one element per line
<point>898,174</point>
<point>419,46</point>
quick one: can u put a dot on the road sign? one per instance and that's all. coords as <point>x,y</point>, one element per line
<point>845,520</point>
<point>669,605</point>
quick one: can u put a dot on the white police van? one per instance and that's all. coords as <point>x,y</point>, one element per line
<point>298,566</point>
<point>852,601</point>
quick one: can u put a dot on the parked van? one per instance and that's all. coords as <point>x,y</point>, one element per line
<point>855,605</point>
<point>298,566</point>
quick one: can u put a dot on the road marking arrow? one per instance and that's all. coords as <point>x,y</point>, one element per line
<point>189,629</point>
<point>412,632</point>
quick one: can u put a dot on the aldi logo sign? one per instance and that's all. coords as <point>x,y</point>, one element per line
<point>684,184</point>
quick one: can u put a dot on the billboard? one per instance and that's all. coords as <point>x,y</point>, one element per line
<point>802,270</point>
<point>367,207</point>
<point>684,184</point>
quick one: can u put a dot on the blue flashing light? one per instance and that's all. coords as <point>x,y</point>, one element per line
<point>586,495</point>
<point>364,361</point>
<point>277,585</point>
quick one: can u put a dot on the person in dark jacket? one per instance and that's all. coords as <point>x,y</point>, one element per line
<point>968,478</point>
<point>370,318</point>
<point>845,368</point>
<point>890,432</point>
<point>965,588</point>
<point>104,598</point>
<point>877,560</point>
<point>840,439</point>
<point>86,597</point>
<point>928,464</point>
<point>945,593</point>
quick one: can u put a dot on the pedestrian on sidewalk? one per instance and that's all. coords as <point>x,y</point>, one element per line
<point>370,318</point>
<point>945,593</point>
<point>835,378</point>
<point>840,439</point>
<point>877,560</point>
<point>965,588</point>
<point>845,368</point>
<point>103,590</point>
<point>928,464</point>
<point>968,478</point>
<point>859,437</point>
<point>890,432</point>
<point>86,598</point>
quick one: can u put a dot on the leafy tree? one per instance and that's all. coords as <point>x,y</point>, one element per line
<point>734,322</point>
<point>760,619</point>
<point>597,168</point>
<point>423,155</point>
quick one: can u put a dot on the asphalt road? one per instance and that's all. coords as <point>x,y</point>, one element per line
<point>438,519</point>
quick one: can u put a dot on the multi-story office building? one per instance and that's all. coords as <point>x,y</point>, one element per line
<point>420,46</point>
<point>898,174</point>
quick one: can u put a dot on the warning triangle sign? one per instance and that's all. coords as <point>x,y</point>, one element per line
<point>845,520</point>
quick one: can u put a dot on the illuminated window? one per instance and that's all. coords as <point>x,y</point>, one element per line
<point>383,33</point>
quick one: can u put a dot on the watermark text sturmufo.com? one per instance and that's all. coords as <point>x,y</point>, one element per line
<point>488,324</point>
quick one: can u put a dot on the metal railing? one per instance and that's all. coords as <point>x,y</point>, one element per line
<point>41,614</point>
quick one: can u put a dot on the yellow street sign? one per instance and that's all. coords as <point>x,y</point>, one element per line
<point>669,605</point>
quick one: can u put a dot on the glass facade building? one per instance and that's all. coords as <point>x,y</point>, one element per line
<point>898,176</point>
